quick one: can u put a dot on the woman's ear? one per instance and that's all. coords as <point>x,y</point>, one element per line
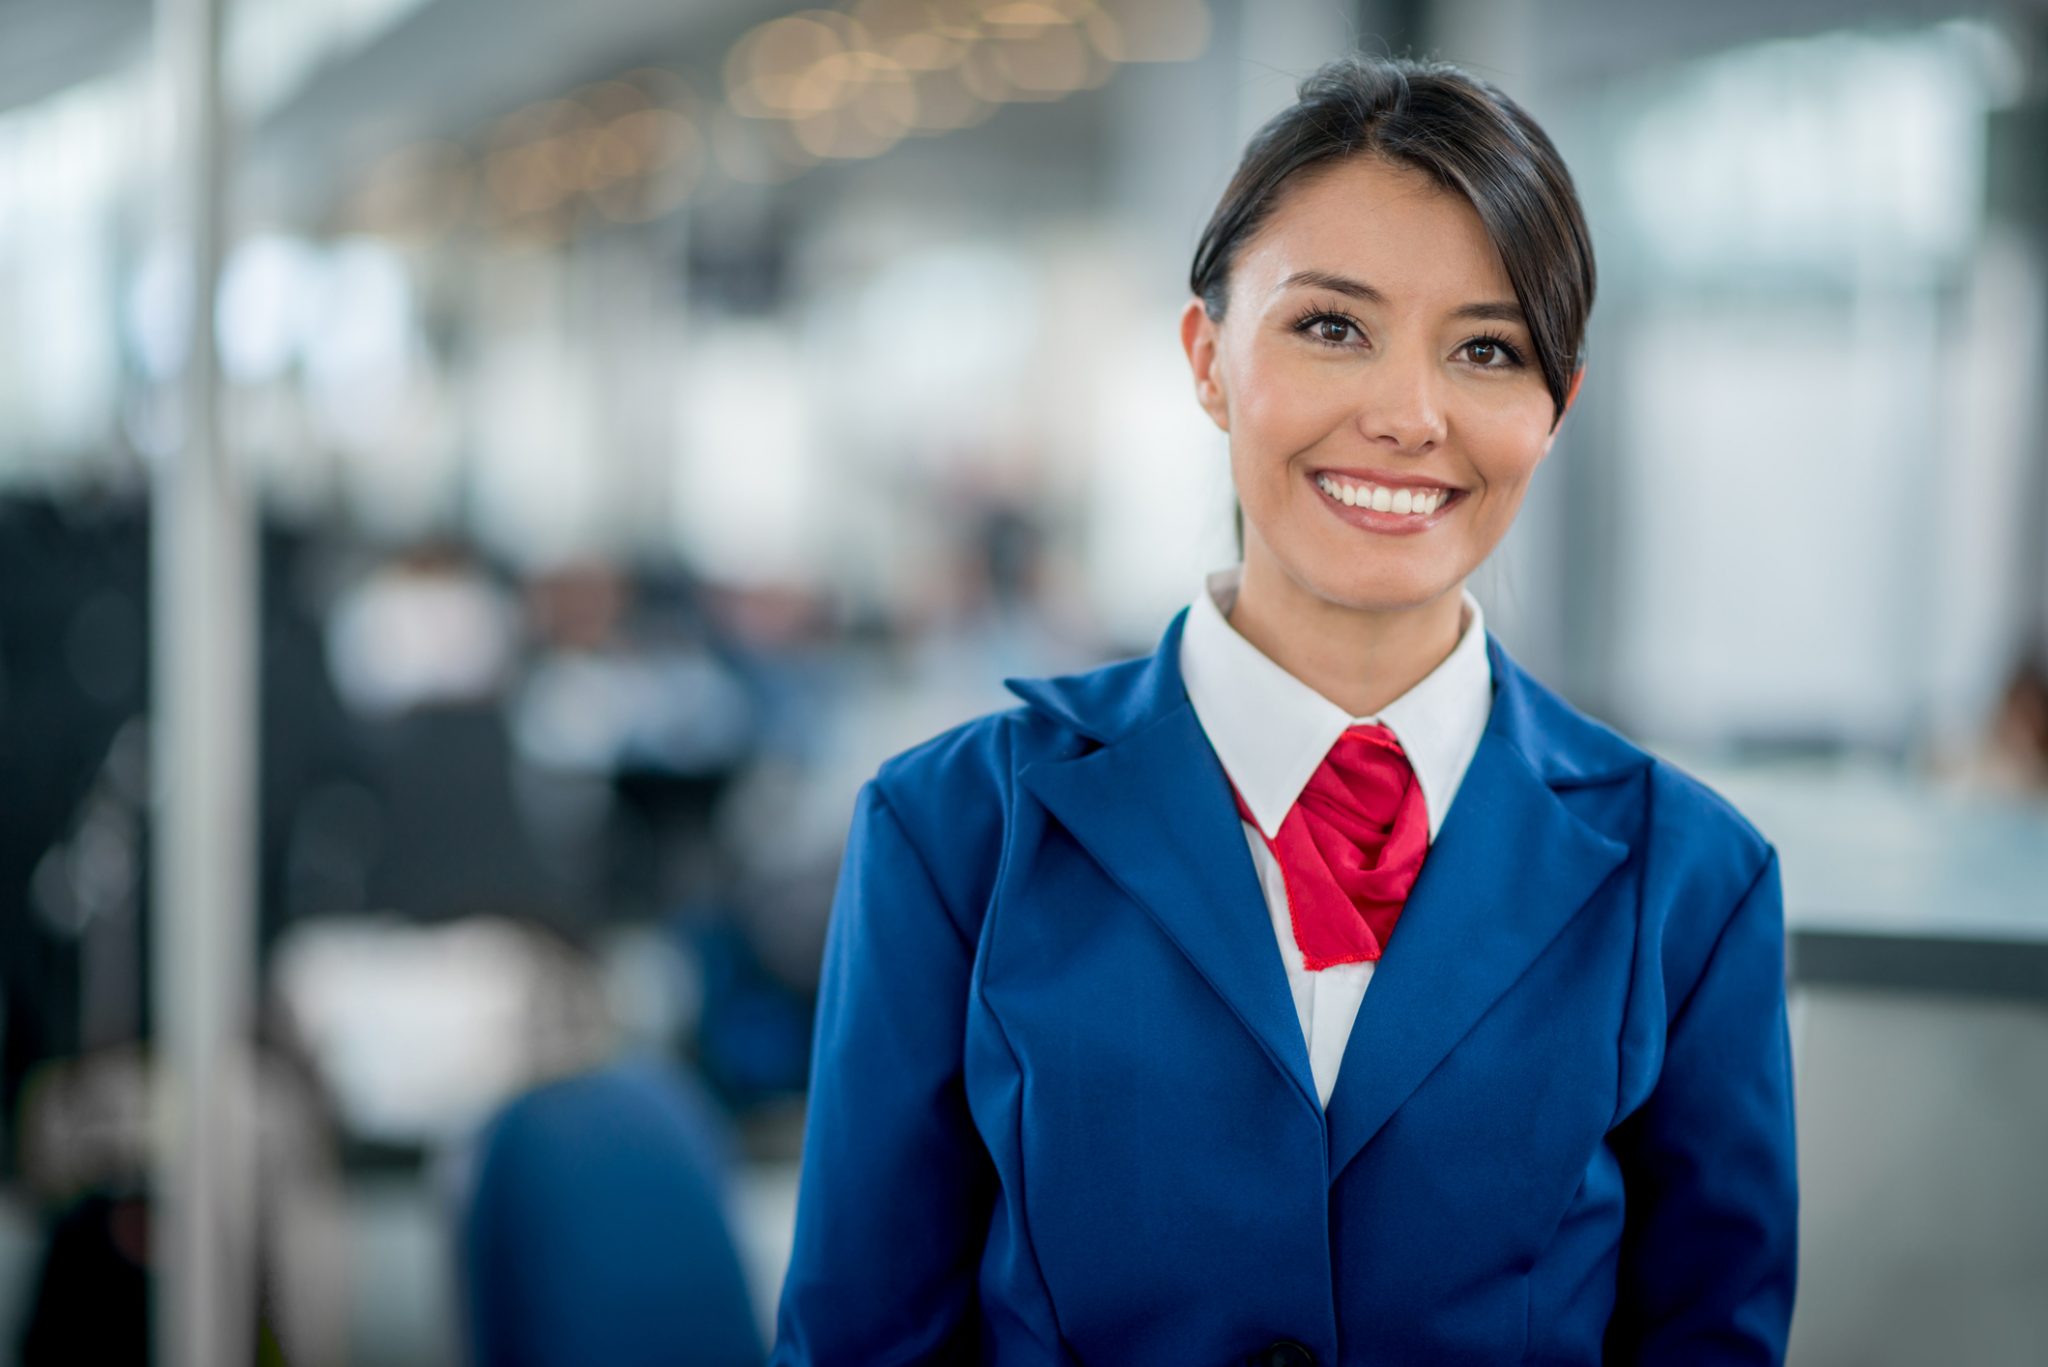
<point>1571,394</point>
<point>1198,338</point>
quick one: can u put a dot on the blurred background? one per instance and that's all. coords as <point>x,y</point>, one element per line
<point>637,418</point>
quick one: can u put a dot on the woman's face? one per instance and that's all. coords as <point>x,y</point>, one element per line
<point>1372,355</point>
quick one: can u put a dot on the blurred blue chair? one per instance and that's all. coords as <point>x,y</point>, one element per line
<point>595,1231</point>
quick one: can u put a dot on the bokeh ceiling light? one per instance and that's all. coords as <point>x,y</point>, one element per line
<point>644,199</point>
<point>848,83</point>
<point>1150,30</point>
<point>886,103</point>
<point>868,127</point>
<point>1024,17</point>
<point>956,19</point>
<point>661,86</point>
<point>1051,62</point>
<point>812,86</point>
<point>522,181</point>
<point>916,34</point>
<point>610,156</point>
<point>983,73</point>
<point>945,104</point>
<point>756,151</point>
<point>777,67</point>
<point>659,137</point>
<point>608,100</point>
<point>558,117</point>
<point>421,189</point>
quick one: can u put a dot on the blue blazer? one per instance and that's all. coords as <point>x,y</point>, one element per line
<point>1062,1111</point>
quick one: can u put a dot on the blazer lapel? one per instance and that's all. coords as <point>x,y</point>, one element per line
<point>1510,868</point>
<point>1153,807</point>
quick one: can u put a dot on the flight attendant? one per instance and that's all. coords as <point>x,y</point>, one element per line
<point>1321,988</point>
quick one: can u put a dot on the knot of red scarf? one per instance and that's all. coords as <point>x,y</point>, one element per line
<point>1351,847</point>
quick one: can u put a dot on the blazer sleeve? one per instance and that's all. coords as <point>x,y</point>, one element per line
<point>894,1197</point>
<point>1709,1251</point>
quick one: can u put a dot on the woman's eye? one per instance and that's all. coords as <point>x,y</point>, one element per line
<point>1490,353</point>
<point>1331,329</point>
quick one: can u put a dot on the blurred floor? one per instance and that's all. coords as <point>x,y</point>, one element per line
<point>1924,1224</point>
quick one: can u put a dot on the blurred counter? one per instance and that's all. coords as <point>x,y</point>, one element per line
<point>1898,881</point>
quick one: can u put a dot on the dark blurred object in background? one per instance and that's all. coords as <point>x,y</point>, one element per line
<point>595,1230</point>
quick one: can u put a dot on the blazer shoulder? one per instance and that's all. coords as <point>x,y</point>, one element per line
<point>1703,860</point>
<point>970,760</point>
<point>1686,824</point>
<point>1701,854</point>
<point>953,795</point>
<point>1695,821</point>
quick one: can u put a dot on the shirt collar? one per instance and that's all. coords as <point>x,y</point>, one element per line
<point>1271,730</point>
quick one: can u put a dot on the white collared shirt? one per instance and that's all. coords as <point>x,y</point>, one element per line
<point>1271,732</point>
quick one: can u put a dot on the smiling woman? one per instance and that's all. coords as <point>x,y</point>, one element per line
<point>1098,1074</point>
<point>1381,307</point>
<point>1349,393</point>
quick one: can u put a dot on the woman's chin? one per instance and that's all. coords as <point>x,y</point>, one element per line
<point>1376,588</point>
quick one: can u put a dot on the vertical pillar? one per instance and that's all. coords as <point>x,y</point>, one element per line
<point>202,767</point>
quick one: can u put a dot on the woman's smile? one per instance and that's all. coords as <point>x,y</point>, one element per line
<point>1385,504</point>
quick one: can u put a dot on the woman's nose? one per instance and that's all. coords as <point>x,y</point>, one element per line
<point>1401,408</point>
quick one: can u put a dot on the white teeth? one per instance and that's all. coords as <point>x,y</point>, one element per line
<point>1411,502</point>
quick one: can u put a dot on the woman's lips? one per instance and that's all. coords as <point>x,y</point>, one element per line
<point>1331,489</point>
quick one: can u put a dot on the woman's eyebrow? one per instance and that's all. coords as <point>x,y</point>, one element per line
<point>1496,311</point>
<point>1490,310</point>
<point>1341,284</point>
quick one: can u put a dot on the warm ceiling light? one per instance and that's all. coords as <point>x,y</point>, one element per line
<point>959,19</point>
<point>609,100</point>
<point>1030,15</point>
<point>420,188</point>
<point>1151,30</point>
<point>756,152</point>
<point>983,75</point>
<point>944,104</point>
<point>658,137</point>
<point>563,116</point>
<point>661,85</point>
<point>926,50</point>
<point>887,105</point>
<point>522,180</point>
<point>609,156</point>
<point>643,199</point>
<point>1048,64</point>
<point>767,68</point>
<point>887,20</point>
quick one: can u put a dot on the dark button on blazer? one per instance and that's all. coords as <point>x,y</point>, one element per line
<point>1062,1110</point>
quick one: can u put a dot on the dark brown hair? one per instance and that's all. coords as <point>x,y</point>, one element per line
<point>1465,135</point>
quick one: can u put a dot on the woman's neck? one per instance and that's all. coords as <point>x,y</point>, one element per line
<point>1359,660</point>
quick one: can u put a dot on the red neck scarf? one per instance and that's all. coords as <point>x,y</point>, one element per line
<point>1351,847</point>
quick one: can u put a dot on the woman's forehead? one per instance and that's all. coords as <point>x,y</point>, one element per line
<point>1389,225</point>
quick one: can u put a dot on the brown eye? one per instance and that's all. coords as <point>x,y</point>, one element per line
<point>1491,353</point>
<point>1330,329</point>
